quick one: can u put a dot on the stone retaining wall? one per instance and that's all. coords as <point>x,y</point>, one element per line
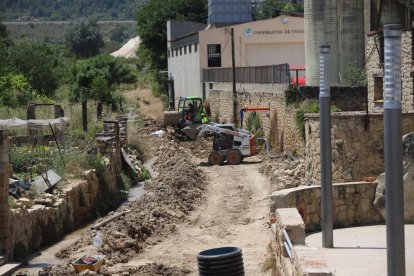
<point>304,260</point>
<point>35,226</point>
<point>356,152</point>
<point>352,204</point>
<point>279,125</point>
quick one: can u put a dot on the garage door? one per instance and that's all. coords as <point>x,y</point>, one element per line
<point>268,54</point>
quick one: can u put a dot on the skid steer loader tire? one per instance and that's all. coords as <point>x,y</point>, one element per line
<point>215,158</point>
<point>234,157</point>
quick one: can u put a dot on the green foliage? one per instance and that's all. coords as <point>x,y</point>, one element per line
<point>101,72</point>
<point>15,91</point>
<point>151,21</point>
<point>84,38</point>
<point>101,90</point>
<point>267,9</point>
<point>254,124</point>
<point>144,175</point>
<point>28,160</point>
<point>289,7</point>
<point>354,76</point>
<point>38,63</point>
<point>69,10</point>
<point>308,107</point>
<point>121,34</point>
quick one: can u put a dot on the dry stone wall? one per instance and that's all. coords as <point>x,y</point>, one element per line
<point>352,204</point>
<point>279,125</point>
<point>356,152</point>
<point>39,225</point>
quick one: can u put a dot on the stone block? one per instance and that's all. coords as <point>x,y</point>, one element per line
<point>25,202</point>
<point>291,221</point>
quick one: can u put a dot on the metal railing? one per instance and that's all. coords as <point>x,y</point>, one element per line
<point>256,74</point>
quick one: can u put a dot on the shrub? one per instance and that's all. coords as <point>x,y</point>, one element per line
<point>308,107</point>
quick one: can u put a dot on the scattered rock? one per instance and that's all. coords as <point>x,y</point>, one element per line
<point>25,202</point>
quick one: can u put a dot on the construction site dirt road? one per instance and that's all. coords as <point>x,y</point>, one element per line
<point>189,207</point>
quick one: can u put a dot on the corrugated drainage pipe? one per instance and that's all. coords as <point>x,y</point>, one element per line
<point>221,261</point>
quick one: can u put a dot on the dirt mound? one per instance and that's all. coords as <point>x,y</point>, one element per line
<point>284,172</point>
<point>153,269</point>
<point>168,200</point>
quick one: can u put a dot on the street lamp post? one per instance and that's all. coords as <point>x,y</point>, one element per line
<point>325,147</point>
<point>394,189</point>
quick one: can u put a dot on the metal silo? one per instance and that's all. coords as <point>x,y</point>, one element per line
<point>339,24</point>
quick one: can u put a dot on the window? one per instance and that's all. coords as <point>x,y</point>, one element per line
<point>172,53</point>
<point>214,55</point>
<point>181,51</point>
<point>189,48</point>
<point>378,93</point>
<point>195,47</point>
<point>168,53</point>
<point>176,52</point>
<point>185,49</point>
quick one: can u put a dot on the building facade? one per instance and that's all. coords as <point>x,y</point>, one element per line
<point>183,57</point>
<point>265,42</point>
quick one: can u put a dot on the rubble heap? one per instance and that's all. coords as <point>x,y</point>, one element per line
<point>168,200</point>
<point>284,172</point>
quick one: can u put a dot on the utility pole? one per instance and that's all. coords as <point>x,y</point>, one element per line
<point>325,146</point>
<point>233,65</point>
<point>394,188</point>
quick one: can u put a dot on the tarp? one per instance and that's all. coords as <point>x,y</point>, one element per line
<point>18,124</point>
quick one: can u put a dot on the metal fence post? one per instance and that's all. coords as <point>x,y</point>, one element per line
<point>325,148</point>
<point>394,196</point>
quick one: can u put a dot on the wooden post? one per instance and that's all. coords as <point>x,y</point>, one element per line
<point>5,239</point>
<point>233,65</point>
<point>85,115</point>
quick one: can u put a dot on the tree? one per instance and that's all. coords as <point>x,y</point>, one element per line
<point>15,91</point>
<point>84,38</point>
<point>267,9</point>
<point>98,77</point>
<point>152,30</point>
<point>38,63</point>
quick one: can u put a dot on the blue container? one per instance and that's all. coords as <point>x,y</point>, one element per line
<point>221,261</point>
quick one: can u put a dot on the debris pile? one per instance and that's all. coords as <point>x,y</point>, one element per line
<point>168,200</point>
<point>284,172</point>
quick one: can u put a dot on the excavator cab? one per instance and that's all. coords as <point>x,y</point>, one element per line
<point>190,110</point>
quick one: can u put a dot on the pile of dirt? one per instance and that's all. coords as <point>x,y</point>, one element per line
<point>153,269</point>
<point>284,172</point>
<point>169,198</point>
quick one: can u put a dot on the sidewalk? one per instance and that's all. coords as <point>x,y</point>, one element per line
<point>361,251</point>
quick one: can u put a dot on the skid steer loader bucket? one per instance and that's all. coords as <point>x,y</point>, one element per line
<point>191,131</point>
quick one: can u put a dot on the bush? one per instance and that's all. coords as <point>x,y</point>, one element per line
<point>308,107</point>
<point>144,175</point>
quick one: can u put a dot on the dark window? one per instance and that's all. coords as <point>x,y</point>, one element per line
<point>168,54</point>
<point>185,49</point>
<point>195,47</point>
<point>214,55</point>
<point>181,51</point>
<point>172,53</point>
<point>176,52</point>
<point>189,48</point>
<point>378,93</point>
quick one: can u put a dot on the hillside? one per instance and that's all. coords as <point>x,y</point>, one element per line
<point>18,10</point>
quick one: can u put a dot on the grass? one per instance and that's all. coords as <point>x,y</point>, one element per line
<point>269,265</point>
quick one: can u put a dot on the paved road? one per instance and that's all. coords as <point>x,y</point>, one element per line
<point>361,251</point>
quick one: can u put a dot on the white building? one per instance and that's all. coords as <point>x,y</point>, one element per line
<point>183,57</point>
